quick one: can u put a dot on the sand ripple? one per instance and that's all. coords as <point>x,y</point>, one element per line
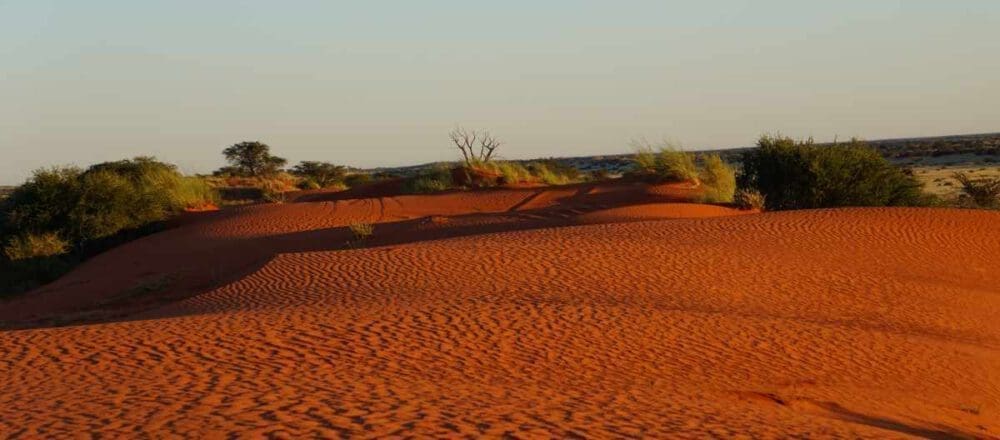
<point>850,323</point>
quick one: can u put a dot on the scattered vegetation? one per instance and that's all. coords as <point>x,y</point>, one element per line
<point>552,172</point>
<point>66,214</point>
<point>479,169</point>
<point>981,193</point>
<point>439,178</point>
<point>362,231</point>
<point>747,199</point>
<point>671,164</point>
<point>801,175</point>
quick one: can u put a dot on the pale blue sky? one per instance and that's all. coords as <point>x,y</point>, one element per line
<point>372,83</point>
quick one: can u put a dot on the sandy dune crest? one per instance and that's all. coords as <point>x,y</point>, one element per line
<point>586,323</point>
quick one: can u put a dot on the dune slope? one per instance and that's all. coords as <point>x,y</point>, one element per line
<point>854,322</point>
<point>213,249</point>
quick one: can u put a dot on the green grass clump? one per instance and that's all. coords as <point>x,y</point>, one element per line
<point>362,231</point>
<point>512,172</point>
<point>546,174</point>
<point>436,179</point>
<point>718,180</point>
<point>669,164</point>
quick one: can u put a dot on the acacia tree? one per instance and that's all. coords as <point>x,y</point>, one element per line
<point>468,141</point>
<point>253,159</point>
<point>323,173</point>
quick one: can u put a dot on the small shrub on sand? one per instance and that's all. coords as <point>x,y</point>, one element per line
<point>747,199</point>
<point>46,244</point>
<point>718,180</point>
<point>548,174</point>
<point>362,231</point>
<point>434,180</point>
<point>553,172</point>
<point>424,185</point>
<point>982,193</point>
<point>512,172</point>
<point>669,164</point>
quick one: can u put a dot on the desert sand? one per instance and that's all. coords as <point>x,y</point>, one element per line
<point>598,311</point>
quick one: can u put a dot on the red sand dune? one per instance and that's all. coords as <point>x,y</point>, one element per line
<point>561,312</point>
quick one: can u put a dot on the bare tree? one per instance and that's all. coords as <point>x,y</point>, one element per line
<point>468,140</point>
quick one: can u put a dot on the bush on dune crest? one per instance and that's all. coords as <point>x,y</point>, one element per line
<point>668,164</point>
<point>479,169</point>
<point>802,175</point>
<point>62,211</point>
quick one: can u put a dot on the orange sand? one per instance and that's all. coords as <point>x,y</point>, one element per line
<point>536,313</point>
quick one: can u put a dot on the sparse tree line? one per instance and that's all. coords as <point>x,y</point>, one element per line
<point>65,214</point>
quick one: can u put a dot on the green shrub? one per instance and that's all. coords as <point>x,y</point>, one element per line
<point>800,175</point>
<point>109,203</point>
<point>61,215</point>
<point>436,179</point>
<point>41,204</point>
<point>717,179</point>
<point>982,193</point>
<point>29,246</point>
<point>747,199</point>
